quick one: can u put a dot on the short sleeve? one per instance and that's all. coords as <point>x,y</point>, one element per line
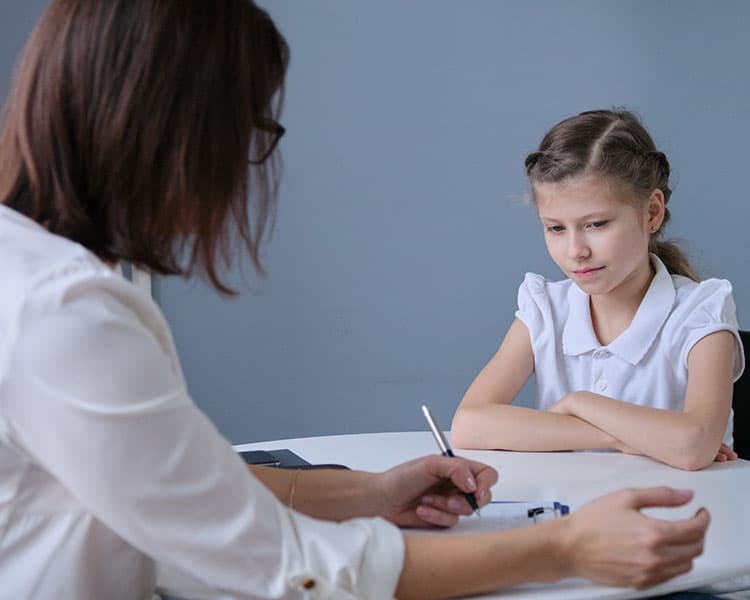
<point>533,303</point>
<point>705,309</point>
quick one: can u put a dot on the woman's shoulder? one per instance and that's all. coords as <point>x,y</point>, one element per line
<point>34,264</point>
<point>49,275</point>
<point>32,256</point>
<point>57,281</point>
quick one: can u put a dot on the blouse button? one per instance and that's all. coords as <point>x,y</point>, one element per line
<point>308,584</point>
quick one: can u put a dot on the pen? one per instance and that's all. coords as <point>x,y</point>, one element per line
<point>446,450</point>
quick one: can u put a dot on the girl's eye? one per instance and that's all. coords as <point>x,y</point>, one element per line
<point>598,224</point>
<point>555,228</point>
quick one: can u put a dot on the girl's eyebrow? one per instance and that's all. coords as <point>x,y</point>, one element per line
<point>586,217</point>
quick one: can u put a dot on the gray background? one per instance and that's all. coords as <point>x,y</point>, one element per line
<point>402,233</point>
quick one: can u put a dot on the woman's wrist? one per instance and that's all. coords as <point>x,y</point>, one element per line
<point>563,547</point>
<point>376,496</point>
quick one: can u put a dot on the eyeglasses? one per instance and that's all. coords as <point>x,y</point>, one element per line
<point>265,138</point>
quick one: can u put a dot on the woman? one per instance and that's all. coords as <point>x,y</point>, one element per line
<point>127,137</point>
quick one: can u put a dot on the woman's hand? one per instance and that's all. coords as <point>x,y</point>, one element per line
<point>428,491</point>
<point>611,542</point>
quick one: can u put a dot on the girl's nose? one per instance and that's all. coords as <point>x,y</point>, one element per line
<point>577,247</point>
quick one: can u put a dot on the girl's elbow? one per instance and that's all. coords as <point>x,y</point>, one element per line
<point>696,452</point>
<point>692,461</point>
<point>461,429</point>
<point>467,428</point>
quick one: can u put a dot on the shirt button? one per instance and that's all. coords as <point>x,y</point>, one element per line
<point>308,584</point>
<point>601,385</point>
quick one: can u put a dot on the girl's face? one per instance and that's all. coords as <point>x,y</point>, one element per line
<point>597,232</point>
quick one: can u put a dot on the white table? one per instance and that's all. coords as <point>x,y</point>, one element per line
<point>574,478</point>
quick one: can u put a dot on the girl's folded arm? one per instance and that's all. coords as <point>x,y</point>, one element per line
<point>485,418</point>
<point>687,440</point>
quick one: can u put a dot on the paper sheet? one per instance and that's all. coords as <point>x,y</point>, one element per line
<point>504,515</point>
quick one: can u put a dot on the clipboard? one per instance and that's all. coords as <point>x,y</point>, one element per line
<point>511,514</point>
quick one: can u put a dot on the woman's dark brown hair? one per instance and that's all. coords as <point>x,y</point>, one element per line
<point>612,143</point>
<point>130,125</point>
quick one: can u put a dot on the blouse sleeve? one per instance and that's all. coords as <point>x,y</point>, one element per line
<point>708,308</point>
<point>532,304</point>
<point>108,415</point>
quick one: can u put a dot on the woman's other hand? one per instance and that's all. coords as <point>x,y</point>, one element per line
<point>611,542</point>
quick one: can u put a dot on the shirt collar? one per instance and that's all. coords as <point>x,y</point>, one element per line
<point>578,334</point>
<point>633,343</point>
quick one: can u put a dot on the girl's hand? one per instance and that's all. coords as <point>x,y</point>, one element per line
<point>428,492</point>
<point>725,453</point>
<point>562,406</point>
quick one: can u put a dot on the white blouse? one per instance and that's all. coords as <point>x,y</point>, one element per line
<point>108,468</point>
<point>647,363</point>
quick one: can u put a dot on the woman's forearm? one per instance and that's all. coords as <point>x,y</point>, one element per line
<point>506,427</point>
<point>334,495</point>
<point>608,541</point>
<point>434,567</point>
<point>459,565</point>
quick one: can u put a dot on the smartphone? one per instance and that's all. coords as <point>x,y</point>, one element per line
<point>260,458</point>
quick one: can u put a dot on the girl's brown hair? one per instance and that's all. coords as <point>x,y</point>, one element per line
<point>130,125</point>
<point>612,143</point>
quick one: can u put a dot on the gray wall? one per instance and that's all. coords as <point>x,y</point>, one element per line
<point>401,236</point>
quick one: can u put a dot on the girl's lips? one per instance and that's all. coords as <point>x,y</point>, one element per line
<point>587,272</point>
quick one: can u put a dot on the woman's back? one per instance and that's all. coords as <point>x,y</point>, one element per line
<point>50,545</point>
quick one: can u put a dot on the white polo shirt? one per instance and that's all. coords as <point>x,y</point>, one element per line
<point>108,469</point>
<point>647,363</point>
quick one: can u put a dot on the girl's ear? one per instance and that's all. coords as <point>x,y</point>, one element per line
<point>655,208</point>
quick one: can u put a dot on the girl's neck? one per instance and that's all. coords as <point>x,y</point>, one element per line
<point>613,312</point>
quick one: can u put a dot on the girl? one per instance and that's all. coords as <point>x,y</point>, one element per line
<point>631,351</point>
